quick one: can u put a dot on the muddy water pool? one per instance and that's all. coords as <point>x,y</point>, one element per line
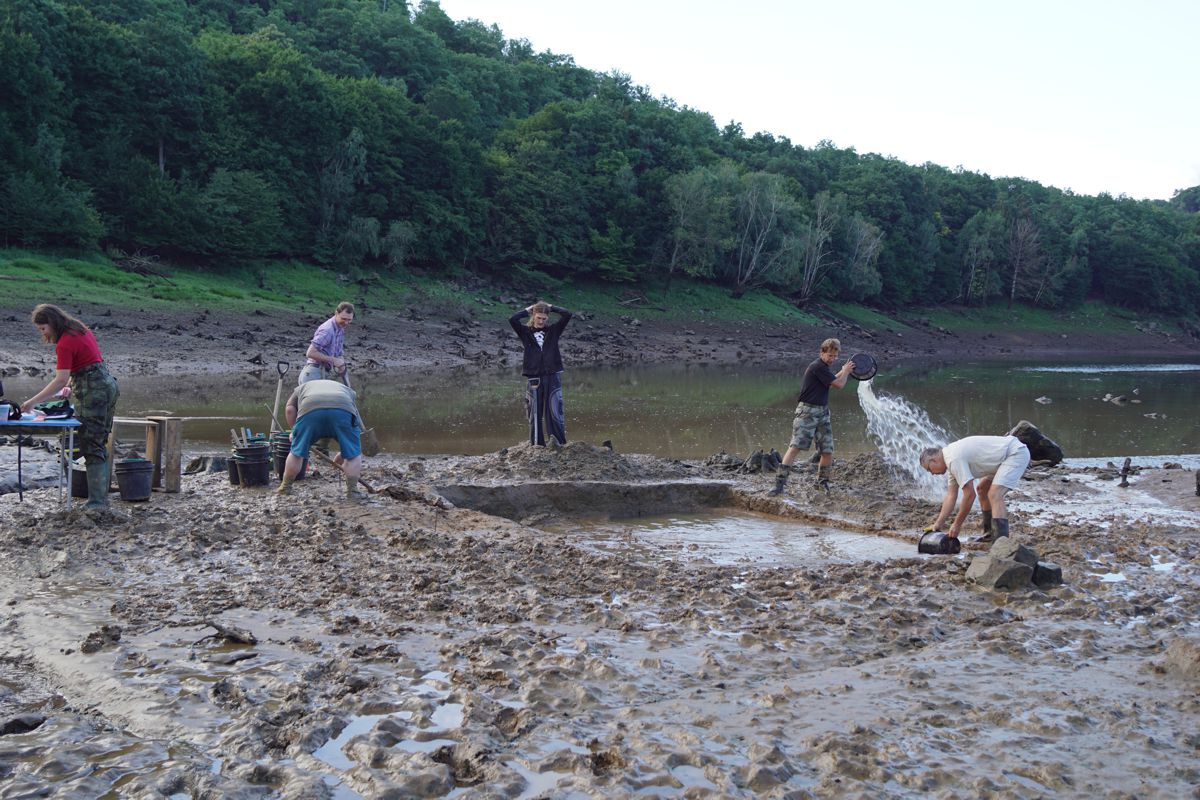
<point>731,537</point>
<point>695,411</point>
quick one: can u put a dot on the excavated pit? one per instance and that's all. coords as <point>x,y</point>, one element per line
<point>711,521</point>
<point>592,499</point>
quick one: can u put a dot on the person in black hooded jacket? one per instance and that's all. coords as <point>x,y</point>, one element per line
<point>542,368</point>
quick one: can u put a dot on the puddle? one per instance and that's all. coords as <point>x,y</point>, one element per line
<point>331,752</point>
<point>735,537</point>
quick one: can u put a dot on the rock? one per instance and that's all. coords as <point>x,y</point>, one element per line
<point>99,639</point>
<point>22,723</point>
<point>1008,548</point>
<point>1183,658</point>
<point>1041,447</point>
<point>999,573</point>
<point>1046,574</point>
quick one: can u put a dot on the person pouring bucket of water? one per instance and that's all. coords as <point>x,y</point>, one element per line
<point>325,358</point>
<point>987,466</point>
<point>542,368</point>
<point>812,422</point>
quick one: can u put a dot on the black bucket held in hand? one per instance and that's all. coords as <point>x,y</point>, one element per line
<point>864,367</point>
<point>937,543</point>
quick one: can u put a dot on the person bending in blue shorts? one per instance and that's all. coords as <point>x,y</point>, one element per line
<point>324,409</point>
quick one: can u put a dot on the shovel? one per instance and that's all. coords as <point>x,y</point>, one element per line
<point>370,441</point>
<point>361,481</point>
<point>282,368</point>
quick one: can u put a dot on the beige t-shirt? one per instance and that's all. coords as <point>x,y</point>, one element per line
<point>319,394</point>
<point>975,457</point>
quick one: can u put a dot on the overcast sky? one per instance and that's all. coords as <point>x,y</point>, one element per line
<point>1095,96</point>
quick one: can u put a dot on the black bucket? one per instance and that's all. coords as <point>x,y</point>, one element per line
<point>134,477</point>
<point>233,471</point>
<point>255,451</point>
<point>79,483</point>
<point>937,543</point>
<point>254,473</point>
<point>281,445</point>
<point>864,367</point>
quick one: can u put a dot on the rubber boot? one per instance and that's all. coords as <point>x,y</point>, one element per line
<point>823,474</point>
<point>285,485</point>
<point>781,480</point>
<point>987,521</point>
<point>999,528</point>
<point>97,481</point>
<point>352,488</point>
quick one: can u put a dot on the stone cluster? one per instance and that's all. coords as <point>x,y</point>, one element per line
<point>1010,565</point>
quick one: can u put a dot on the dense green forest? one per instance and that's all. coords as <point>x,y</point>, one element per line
<point>373,135</point>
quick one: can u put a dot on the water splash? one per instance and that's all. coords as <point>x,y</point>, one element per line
<point>901,430</point>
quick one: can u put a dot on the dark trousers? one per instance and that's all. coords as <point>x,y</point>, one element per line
<point>94,392</point>
<point>544,409</point>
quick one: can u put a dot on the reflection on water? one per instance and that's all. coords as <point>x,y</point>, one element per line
<point>735,537</point>
<point>693,411</point>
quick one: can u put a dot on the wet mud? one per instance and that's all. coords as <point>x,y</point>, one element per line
<point>466,633</point>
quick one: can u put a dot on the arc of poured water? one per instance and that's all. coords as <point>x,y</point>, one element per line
<point>901,430</point>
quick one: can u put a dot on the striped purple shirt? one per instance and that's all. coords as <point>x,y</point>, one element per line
<point>330,339</point>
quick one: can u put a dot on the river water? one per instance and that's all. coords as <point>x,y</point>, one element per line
<point>694,411</point>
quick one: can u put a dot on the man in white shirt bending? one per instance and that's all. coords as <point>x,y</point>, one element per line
<point>987,466</point>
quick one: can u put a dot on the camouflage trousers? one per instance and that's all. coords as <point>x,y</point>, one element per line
<point>812,423</point>
<point>94,391</point>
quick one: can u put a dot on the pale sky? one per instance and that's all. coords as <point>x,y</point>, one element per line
<point>1092,96</point>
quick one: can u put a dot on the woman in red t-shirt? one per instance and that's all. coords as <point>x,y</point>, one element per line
<point>93,388</point>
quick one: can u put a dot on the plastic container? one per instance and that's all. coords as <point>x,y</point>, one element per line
<point>134,476</point>
<point>254,473</point>
<point>938,544</point>
<point>864,367</point>
<point>233,471</point>
<point>79,487</point>
<point>254,451</point>
<point>281,445</point>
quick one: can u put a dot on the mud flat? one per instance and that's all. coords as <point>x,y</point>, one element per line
<point>229,643</point>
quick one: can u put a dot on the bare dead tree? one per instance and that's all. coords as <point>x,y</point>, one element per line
<point>762,248</point>
<point>977,259</point>
<point>817,258</point>
<point>1049,276</point>
<point>1024,252</point>
<point>695,208</point>
<point>866,242</point>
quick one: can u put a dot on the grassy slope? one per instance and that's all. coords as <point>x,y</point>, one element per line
<point>293,286</point>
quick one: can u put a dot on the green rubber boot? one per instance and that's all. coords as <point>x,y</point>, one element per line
<point>97,481</point>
